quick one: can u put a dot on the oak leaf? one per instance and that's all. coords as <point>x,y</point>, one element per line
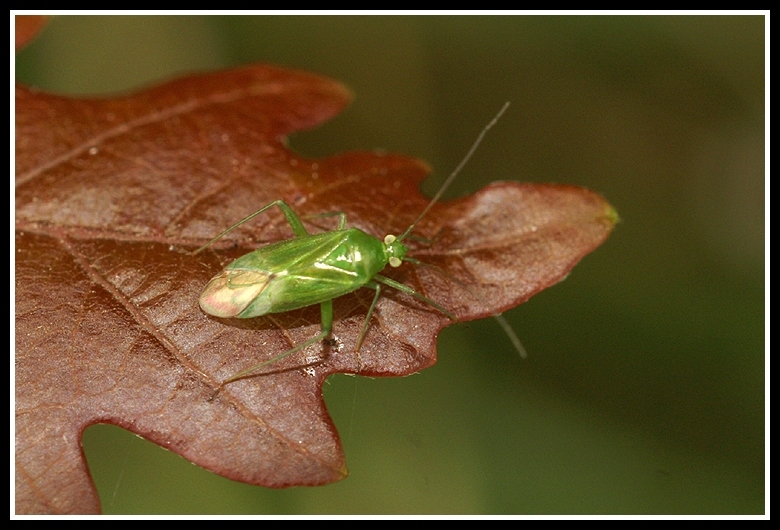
<point>112,195</point>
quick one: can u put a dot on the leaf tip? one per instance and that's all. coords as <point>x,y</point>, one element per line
<point>611,215</point>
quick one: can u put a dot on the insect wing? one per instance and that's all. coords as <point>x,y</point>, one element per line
<point>230,292</point>
<point>298,273</point>
<point>308,270</point>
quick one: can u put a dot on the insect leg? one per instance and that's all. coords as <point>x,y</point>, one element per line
<point>289,214</point>
<point>408,290</point>
<point>498,316</point>
<point>341,215</point>
<point>326,311</point>
<point>363,330</point>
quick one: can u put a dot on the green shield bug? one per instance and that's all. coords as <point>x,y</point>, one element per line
<point>314,269</point>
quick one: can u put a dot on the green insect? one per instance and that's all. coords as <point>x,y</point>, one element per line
<point>314,269</point>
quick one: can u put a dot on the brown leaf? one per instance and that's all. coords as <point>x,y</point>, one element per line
<point>111,195</point>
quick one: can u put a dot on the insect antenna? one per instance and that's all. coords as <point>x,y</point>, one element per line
<point>455,171</point>
<point>498,316</point>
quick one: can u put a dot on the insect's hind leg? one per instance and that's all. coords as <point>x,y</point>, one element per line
<point>326,311</point>
<point>289,214</point>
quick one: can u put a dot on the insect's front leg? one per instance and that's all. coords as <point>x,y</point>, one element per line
<point>401,287</point>
<point>408,290</point>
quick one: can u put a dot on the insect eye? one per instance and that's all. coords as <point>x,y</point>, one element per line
<point>394,262</point>
<point>389,239</point>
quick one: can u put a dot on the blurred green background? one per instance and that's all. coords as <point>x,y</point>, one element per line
<point>644,389</point>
